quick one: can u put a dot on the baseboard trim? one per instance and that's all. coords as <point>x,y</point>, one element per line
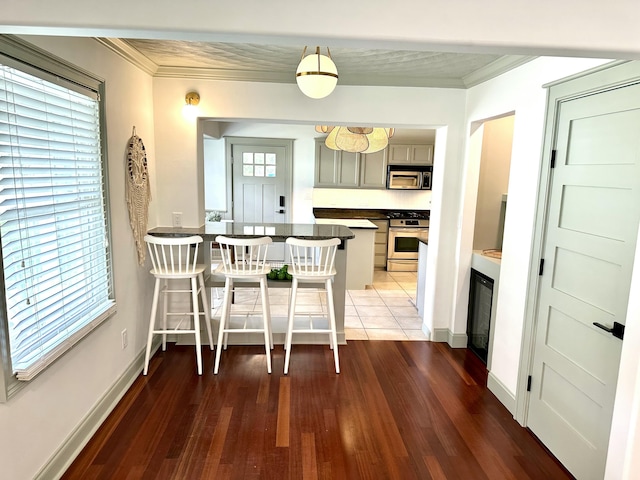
<point>455,340</point>
<point>441,335</point>
<point>80,436</point>
<point>505,397</point>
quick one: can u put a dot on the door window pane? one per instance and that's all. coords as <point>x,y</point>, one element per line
<point>253,164</point>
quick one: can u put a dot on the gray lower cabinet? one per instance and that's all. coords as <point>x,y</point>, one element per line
<point>338,169</point>
<point>380,243</point>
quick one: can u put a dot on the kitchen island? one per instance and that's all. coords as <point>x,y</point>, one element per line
<point>279,232</point>
<point>360,259</point>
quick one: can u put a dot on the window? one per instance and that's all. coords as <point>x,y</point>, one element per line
<point>56,260</point>
<point>259,164</point>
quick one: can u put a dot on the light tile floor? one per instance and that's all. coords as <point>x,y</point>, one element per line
<point>385,312</point>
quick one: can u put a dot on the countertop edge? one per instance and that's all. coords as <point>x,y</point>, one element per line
<point>282,231</point>
<point>344,222</point>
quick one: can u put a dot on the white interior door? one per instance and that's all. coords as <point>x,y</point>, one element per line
<point>591,228</point>
<point>261,186</point>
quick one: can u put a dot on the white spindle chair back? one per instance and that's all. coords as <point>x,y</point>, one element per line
<point>313,258</point>
<point>173,256</point>
<point>243,256</point>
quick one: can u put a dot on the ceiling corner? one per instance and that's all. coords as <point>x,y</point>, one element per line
<point>130,54</point>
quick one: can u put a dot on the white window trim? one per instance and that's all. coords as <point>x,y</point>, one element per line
<point>24,56</point>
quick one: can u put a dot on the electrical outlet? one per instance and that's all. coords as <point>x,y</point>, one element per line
<point>177,219</point>
<point>125,339</point>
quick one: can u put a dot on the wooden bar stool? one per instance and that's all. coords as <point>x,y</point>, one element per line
<point>244,260</point>
<point>174,259</point>
<point>312,261</point>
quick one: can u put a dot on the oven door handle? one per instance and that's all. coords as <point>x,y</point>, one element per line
<point>407,229</point>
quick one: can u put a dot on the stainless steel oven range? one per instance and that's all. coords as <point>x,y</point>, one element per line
<point>402,249</point>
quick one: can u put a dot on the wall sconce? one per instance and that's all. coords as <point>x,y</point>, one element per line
<point>192,99</point>
<point>191,102</point>
<point>316,75</point>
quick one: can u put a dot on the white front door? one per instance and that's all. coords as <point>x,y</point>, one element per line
<point>591,227</point>
<point>261,185</point>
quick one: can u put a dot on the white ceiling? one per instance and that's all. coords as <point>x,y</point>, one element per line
<point>276,63</point>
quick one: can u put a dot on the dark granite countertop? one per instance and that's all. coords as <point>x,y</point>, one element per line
<point>368,213</point>
<point>279,232</point>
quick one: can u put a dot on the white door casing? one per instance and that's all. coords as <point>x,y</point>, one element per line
<point>590,229</point>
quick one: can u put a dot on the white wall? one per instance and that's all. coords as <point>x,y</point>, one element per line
<point>493,182</point>
<point>40,417</point>
<point>518,91</point>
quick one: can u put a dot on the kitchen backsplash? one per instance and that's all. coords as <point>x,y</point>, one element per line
<point>361,198</point>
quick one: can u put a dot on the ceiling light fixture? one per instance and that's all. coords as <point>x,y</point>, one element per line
<point>356,139</point>
<point>317,75</point>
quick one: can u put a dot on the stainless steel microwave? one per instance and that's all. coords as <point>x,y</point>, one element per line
<point>409,177</point>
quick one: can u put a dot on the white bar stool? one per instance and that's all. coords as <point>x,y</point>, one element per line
<point>312,261</point>
<point>175,259</point>
<point>244,260</point>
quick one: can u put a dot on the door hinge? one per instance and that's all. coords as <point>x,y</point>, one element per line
<point>553,158</point>
<point>529,383</point>
<point>541,269</point>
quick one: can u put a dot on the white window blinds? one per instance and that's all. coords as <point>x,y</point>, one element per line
<point>55,253</point>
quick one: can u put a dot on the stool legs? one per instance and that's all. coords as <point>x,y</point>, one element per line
<point>331,314</point>
<point>224,319</point>
<point>196,323</point>
<point>165,301</point>
<point>332,323</point>
<point>266,321</point>
<point>197,285</point>
<point>223,331</point>
<point>152,321</point>
<point>292,313</point>
<point>207,310</point>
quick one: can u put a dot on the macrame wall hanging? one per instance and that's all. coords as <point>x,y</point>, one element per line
<point>138,192</point>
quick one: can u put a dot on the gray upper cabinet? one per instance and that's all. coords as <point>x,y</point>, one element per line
<point>411,154</point>
<point>335,168</point>
<point>339,169</point>
<point>373,169</point>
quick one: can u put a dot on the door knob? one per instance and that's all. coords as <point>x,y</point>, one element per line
<point>617,330</point>
<point>280,211</point>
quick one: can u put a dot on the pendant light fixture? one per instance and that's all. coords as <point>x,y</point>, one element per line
<point>356,139</point>
<point>317,75</point>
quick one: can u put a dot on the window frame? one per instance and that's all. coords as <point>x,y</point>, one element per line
<point>23,56</point>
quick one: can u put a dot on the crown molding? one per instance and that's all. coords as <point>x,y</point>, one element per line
<point>495,68</point>
<point>225,74</point>
<point>130,54</point>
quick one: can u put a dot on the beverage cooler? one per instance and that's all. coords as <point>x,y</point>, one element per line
<point>479,317</point>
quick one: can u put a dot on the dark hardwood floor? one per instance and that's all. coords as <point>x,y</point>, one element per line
<point>398,410</point>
